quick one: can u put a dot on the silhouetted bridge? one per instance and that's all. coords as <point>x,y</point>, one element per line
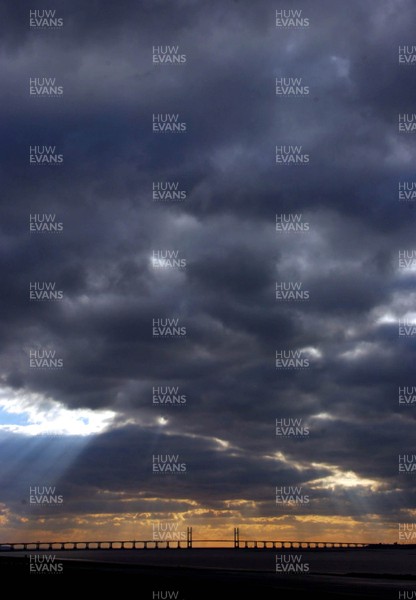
<point>168,544</point>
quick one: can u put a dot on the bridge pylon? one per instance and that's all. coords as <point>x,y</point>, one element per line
<point>236,537</point>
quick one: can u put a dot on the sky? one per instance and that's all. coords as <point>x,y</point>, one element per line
<point>85,423</point>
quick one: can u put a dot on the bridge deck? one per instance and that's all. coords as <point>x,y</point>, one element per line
<point>168,544</point>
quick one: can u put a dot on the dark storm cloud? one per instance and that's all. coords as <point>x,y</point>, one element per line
<point>225,230</point>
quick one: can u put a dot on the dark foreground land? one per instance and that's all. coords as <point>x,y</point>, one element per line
<point>185,577</point>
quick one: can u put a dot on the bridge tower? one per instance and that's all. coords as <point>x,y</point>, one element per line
<point>189,537</point>
<point>236,537</point>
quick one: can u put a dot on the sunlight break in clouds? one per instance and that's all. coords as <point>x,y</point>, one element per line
<point>32,414</point>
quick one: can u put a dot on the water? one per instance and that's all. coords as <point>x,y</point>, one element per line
<point>334,562</point>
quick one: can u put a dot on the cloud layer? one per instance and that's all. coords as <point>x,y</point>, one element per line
<point>347,259</point>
